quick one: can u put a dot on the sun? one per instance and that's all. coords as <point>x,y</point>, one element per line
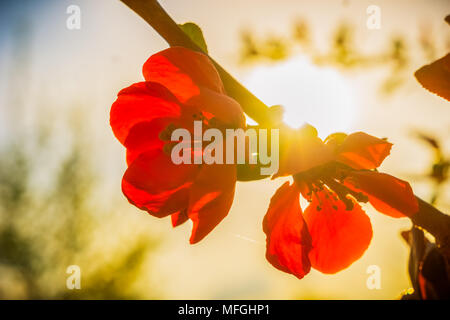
<point>310,94</point>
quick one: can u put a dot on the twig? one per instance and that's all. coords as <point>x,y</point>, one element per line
<point>428,217</point>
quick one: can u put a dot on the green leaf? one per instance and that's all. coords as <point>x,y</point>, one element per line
<point>195,33</point>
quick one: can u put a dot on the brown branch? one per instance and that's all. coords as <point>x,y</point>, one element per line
<point>428,217</point>
<point>152,12</point>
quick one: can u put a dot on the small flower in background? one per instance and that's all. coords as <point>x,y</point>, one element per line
<point>333,231</point>
<point>181,86</point>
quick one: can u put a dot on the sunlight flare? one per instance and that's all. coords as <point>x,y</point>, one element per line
<point>310,94</point>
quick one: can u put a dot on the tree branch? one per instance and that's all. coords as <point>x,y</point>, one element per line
<point>428,217</point>
<point>435,222</point>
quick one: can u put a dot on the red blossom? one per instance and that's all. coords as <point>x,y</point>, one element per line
<point>288,239</point>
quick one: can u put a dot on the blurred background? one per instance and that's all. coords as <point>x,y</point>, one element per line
<point>61,167</point>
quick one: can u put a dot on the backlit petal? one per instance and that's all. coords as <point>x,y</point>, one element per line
<point>221,106</point>
<point>387,194</point>
<point>141,102</point>
<point>154,184</point>
<point>178,218</point>
<point>182,71</point>
<point>144,136</point>
<point>210,199</point>
<point>362,151</point>
<point>301,150</point>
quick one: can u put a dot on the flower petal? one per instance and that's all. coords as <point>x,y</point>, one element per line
<point>300,150</point>
<point>435,77</point>
<point>210,199</point>
<point>339,237</point>
<point>178,218</point>
<point>182,71</point>
<point>362,151</point>
<point>387,194</point>
<point>154,184</point>
<point>288,242</point>
<point>141,102</point>
<point>221,106</point>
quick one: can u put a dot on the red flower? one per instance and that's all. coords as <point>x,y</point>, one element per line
<point>435,76</point>
<point>334,231</point>
<point>181,86</point>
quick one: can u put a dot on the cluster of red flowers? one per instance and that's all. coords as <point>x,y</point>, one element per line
<point>333,175</point>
